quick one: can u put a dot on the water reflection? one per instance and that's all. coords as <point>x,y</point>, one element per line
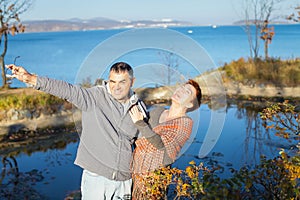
<point>27,166</point>
<point>18,185</point>
<point>258,140</point>
<point>255,134</point>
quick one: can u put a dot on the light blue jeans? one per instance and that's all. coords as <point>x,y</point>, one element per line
<point>95,187</point>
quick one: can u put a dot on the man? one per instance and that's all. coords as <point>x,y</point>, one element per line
<point>108,132</point>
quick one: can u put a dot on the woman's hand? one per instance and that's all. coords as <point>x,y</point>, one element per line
<point>135,114</point>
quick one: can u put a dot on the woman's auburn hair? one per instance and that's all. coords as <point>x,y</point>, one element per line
<point>198,94</point>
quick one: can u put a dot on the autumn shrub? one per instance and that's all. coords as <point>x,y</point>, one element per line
<point>282,73</point>
<point>285,120</point>
<point>271,179</point>
<point>187,183</point>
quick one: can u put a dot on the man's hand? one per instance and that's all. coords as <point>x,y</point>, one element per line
<point>21,74</point>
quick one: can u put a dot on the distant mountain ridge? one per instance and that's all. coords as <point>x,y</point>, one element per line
<point>252,22</point>
<point>98,23</point>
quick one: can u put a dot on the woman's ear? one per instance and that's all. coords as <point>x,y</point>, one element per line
<point>189,105</point>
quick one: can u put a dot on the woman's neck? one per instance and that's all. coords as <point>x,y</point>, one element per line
<point>172,113</point>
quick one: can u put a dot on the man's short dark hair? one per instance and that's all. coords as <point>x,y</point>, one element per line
<point>120,67</point>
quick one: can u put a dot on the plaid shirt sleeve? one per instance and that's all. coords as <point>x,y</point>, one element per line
<point>174,135</point>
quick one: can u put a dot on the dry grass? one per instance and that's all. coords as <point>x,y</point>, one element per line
<point>283,73</point>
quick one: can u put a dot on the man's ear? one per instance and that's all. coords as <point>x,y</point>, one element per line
<point>133,80</point>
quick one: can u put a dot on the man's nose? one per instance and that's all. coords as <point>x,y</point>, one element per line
<point>117,86</point>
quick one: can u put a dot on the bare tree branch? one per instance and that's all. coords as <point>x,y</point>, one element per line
<point>257,17</point>
<point>10,23</point>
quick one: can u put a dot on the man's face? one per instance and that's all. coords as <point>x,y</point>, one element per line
<point>119,85</point>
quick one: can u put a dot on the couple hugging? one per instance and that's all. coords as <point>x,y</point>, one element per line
<point>121,142</point>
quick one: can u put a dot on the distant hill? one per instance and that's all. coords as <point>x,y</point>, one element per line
<point>243,22</point>
<point>99,23</point>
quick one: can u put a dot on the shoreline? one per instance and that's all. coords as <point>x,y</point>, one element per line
<point>32,27</point>
<point>14,122</point>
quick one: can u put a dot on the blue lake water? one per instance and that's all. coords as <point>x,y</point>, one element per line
<point>61,54</point>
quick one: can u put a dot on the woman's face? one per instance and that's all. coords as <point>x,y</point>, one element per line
<point>184,95</point>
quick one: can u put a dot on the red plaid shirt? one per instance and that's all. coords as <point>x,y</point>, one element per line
<point>147,158</point>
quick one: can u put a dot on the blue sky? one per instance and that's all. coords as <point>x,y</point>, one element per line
<point>203,12</point>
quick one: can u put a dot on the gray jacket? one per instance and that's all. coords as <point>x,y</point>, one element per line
<point>107,129</point>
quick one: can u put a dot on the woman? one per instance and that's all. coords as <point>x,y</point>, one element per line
<point>164,135</point>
